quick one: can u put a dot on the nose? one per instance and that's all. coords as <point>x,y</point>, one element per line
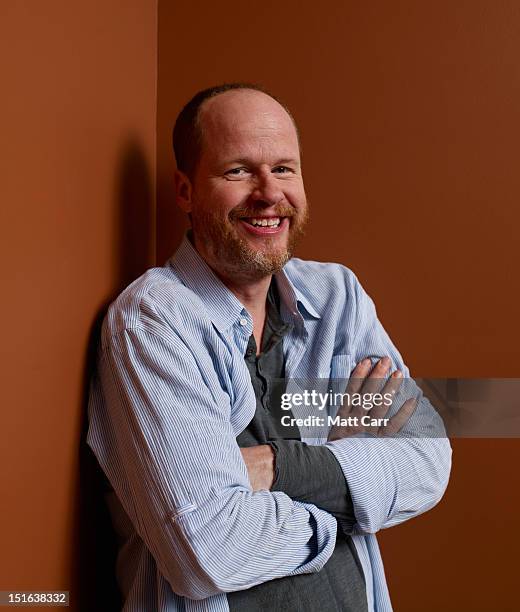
<point>267,190</point>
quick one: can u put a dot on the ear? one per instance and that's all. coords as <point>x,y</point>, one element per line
<point>183,191</point>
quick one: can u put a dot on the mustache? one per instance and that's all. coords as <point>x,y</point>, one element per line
<point>282,210</point>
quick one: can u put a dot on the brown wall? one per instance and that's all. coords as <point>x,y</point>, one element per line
<point>409,116</point>
<point>77,193</point>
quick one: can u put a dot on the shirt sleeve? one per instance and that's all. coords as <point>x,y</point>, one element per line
<point>391,479</point>
<point>312,474</point>
<point>167,446</point>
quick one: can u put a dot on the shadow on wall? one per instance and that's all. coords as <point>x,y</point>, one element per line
<point>172,222</point>
<point>135,226</point>
<point>134,246</point>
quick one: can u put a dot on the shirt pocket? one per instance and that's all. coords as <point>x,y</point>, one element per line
<point>340,368</point>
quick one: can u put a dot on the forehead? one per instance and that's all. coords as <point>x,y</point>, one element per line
<point>246,119</point>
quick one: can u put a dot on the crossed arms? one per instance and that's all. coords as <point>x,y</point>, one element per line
<point>169,449</point>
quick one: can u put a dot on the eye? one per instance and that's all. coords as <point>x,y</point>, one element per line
<point>237,172</point>
<point>281,170</point>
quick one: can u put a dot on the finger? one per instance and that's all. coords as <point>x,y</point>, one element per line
<point>397,422</point>
<point>374,382</point>
<point>358,376</point>
<point>387,395</point>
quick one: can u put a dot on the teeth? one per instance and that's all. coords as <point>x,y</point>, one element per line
<point>273,222</point>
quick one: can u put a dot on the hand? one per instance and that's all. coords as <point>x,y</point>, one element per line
<point>362,383</point>
<point>260,466</point>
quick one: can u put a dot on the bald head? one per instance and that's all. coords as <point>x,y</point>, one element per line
<point>237,123</point>
<point>221,109</point>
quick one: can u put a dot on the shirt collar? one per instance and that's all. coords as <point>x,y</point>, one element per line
<point>297,300</point>
<point>223,307</point>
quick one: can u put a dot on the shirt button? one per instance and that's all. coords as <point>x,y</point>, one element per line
<point>243,322</point>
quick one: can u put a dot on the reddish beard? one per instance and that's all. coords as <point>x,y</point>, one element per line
<point>233,255</point>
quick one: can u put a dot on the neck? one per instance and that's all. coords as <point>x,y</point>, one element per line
<point>253,294</point>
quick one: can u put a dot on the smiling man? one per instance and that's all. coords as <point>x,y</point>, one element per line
<point>217,502</point>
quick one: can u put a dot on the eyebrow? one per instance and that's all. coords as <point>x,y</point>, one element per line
<point>250,162</point>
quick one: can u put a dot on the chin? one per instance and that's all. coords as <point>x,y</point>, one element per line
<point>266,263</point>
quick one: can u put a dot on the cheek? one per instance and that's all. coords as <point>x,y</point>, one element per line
<point>296,196</point>
<point>228,196</point>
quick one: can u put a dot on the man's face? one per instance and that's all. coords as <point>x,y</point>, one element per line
<point>248,203</point>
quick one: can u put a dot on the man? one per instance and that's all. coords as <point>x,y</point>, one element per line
<point>219,504</point>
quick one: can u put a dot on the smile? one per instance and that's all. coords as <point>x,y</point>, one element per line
<point>264,225</point>
<point>264,221</point>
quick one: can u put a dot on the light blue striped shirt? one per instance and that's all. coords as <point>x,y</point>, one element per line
<point>171,393</point>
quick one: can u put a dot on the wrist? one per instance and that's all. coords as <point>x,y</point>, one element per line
<point>267,462</point>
